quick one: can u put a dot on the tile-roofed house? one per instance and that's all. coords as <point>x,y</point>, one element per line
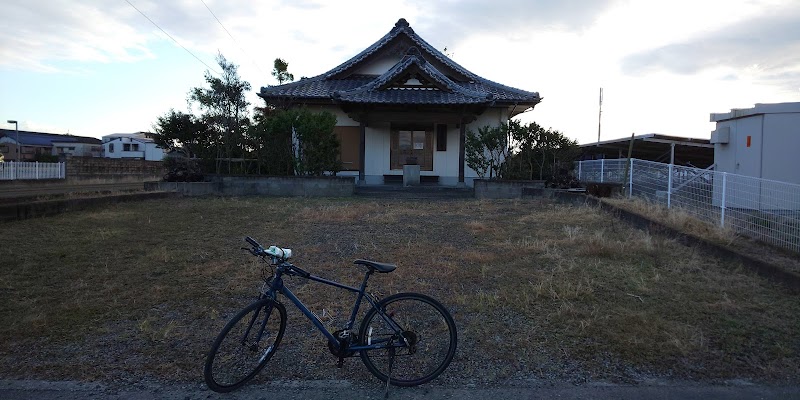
<point>401,98</point>
<point>33,143</point>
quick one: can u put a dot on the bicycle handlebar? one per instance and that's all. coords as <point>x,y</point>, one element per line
<point>252,242</point>
<point>273,251</point>
<point>300,272</point>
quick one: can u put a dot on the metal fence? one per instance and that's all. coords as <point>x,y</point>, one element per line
<point>760,208</point>
<point>31,170</point>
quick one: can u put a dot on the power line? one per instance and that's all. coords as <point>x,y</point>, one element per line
<point>170,36</point>
<point>232,38</point>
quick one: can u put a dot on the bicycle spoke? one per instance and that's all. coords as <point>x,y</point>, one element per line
<point>245,345</point>
<point>420,333</point>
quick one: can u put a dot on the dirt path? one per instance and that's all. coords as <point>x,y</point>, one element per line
<point>19,390</point>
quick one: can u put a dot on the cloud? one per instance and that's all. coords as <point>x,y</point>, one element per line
<point>40,35</point>
<point>301,4</point>
<point>450,22</point>
<point>766,47</point>
<point>37,34</point>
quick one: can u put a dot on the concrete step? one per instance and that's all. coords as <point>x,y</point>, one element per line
<point>414,192</point>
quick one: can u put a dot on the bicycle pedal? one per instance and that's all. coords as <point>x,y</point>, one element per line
<point>340,363</point>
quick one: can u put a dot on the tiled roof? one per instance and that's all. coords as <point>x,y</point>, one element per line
<point>27,138</point>
<point>440,90</point>
<point>454,85</point>
<point>401,27</point>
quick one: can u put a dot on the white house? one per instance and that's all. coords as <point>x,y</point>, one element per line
<point>131,145</point>
<point>402,98</point>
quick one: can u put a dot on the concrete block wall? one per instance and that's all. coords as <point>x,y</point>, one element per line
<point>490,189</point>
<point>186,188</point>
<point>288,186</point>
<point>86,168</point>
<point>263,186</point>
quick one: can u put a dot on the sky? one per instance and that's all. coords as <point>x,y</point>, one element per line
<point>96,67</point>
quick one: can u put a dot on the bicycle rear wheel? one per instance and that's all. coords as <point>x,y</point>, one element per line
<point>245,345</point>
<point>421,350</point>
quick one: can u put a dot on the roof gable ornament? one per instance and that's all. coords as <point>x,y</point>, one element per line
<point>413,74</point>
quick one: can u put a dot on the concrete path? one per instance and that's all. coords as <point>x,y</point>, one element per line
<point>318,390</point>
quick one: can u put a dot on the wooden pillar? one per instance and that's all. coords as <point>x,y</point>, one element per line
<point>362,152</point>
<point>461,150</point>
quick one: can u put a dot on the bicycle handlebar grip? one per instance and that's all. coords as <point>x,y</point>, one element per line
<point>252,242</point>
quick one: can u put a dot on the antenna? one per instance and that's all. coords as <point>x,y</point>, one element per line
<point>599,116</point>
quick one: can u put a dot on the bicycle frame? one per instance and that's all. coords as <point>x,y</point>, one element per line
<point>277,286</point>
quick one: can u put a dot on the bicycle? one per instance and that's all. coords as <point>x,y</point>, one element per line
<point>406,339</point>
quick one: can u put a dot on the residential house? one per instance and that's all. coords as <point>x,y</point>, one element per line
<point>32,144</point>
<point>132,145</point>
<point>80,147</point>
<point>402,99</point>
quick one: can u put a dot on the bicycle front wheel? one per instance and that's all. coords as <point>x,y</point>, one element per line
<point>245,345</point>
<point>417,338</point>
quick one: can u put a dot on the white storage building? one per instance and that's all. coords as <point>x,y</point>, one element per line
<point>762,142</point>
<point>760,148</point>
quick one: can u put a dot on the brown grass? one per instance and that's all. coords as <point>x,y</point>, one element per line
<point>685,222</point>
<point>139,290</point>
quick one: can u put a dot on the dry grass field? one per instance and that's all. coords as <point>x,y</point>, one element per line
<point>138,291</point>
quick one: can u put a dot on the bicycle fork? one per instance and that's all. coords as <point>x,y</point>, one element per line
<point>253,346</point>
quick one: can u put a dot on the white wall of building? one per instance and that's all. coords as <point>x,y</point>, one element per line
<point>762,142</point>
<point>445,163</point>
<point>379,66</point>
<point>125,146</point>
<point>781,149</point>
<point>153,153</point>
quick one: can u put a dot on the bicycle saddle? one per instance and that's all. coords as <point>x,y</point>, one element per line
<point>378,266</point>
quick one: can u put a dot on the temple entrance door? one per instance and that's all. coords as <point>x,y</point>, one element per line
<point>407,144</point>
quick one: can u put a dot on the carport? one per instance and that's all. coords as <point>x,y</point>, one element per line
<point>698,153</point>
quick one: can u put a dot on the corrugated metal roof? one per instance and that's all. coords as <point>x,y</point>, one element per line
<point>654,147</point>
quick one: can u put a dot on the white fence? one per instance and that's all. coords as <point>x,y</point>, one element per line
<point>31,170</point>
<point>760,208</point>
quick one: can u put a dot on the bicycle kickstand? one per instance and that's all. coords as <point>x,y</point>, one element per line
<point>389,378</point>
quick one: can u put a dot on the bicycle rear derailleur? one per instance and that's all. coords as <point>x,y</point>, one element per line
<point>345,338</point>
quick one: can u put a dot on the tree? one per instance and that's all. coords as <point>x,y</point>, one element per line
<point>537,151</point>
<point>297,141</point>
<point>224,110</point>
<point>486,150</point>
<point>281,71</point>
<point>271,142</point>
<point>317,147</point>
<point>176,129</point>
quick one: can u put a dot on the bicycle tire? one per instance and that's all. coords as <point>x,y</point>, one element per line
<point>233,359</point>
<point>426,323</point>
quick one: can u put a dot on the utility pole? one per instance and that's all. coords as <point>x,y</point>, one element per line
<point>16,128</point>
<point>599,116</point>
